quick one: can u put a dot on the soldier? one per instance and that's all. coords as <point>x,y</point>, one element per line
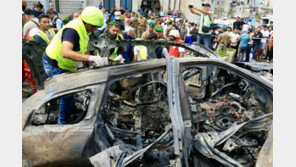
<point>150,30</point>
<point>159,33</point>
<point>223,40</point>
<point>134,21</point>
<point>142,24</point>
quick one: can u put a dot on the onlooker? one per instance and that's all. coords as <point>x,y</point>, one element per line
<point>129,53</point>
<point>204,32</point>
<point>246,26</point>
<point>51,7</point>
<point>57,22</point>
<point>270,49</point>
<point>45,33</point>
<point>223,40</point>
<point>127,14</point>
<point>24,20</point>
<point>38,9</point>
<point>117,14</point>
<point>176,51</point>
<point>75,15</point>
<point>183,33</point>
<point>24,5</point>
<point>249,46</point>
<point>169,28</point>
<point>245,38</point>
<point>234,41</point>
<point>265,36</point>
<point>32,21</point>
<point>142,24</point>
<point>256,42</point>
<point>150,30</point>
<point>127,24</point>
<point>105,14</point>
<point>238,24</point>
<point>101,6</point>
<point>159,33</point>
<point>194,34</point>
<point>229,30</point>
<point>122,11</point>
<point>80,11</point>
<point>188,35</point>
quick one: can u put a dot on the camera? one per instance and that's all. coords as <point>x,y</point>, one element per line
<point>214,26</point>
<point>190,6</point>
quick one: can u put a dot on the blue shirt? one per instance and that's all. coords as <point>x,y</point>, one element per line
<point>59,23</point>
<point>100,6</point>
<point>36,14</point>
<point>244,40</point>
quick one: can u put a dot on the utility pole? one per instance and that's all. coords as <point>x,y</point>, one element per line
<point>46,5</point>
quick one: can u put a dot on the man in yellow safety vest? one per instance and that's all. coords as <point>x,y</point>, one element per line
<point>67,51</point>
<point>44,34</point>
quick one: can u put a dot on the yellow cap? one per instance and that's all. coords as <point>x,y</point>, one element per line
<point>93,16</point>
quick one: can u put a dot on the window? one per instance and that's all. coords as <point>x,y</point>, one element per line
<point>48,113</point>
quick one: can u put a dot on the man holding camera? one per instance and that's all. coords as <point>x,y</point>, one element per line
<point>206,19</point>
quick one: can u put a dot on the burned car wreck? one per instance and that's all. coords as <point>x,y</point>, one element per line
<point>162,112</point>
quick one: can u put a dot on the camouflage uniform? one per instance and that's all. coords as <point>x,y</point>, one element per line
<point>134,23</point>
<point>142,26</point>
<point>223,40</point>
<point>145,35</point>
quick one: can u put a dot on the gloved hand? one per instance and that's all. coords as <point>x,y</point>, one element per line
<point>97,60</point>
<point>122,60</point>
<point>118,58</point>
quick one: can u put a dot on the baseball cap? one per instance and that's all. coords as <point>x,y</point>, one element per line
<point>151,23</point>
<point>29,12</point>
<point>159,29</point>
<point>113,22</point>
<point>206,4</point>
<point>224,28</point>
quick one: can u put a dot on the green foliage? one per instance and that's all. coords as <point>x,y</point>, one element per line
<point>222,54</point>
<point>230,49</point>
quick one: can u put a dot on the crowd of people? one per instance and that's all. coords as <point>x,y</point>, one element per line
<point>251,43</point>
<point>67,39</point>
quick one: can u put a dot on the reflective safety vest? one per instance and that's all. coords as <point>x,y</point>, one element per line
<point>114,54</point>
<point>174,50</point>
<point>43,35</point>
<point>143,53</point>
<point>54,49</point>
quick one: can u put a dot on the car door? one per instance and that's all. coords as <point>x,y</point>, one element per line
<point>45,142</point>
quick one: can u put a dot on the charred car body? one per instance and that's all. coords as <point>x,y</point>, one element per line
<point>161,112</point>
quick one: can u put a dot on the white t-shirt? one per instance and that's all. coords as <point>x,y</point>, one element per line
<point>264,33</point>
<point>117,13</point>
<point>234,38</point>
<point>246,27</point>
<point>127,28</point>
<point>188,31</point>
